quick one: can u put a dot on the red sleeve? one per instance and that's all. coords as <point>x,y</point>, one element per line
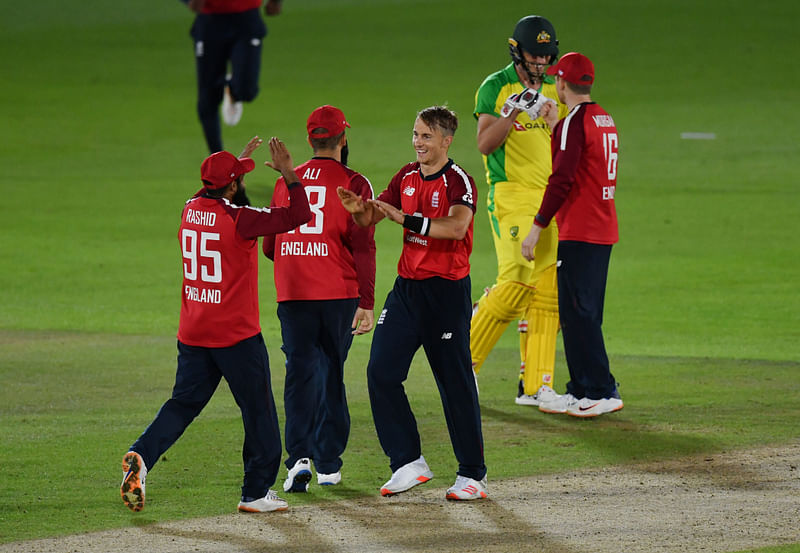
<point>253,222</point>
<point>268,244</point>
<point>461,191</point>
<point>392,193</point>
<point>362,242</point>
<point>567,146</point>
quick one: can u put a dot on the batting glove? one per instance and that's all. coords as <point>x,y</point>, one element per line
<point>532,102</point>
<point>510,105</point>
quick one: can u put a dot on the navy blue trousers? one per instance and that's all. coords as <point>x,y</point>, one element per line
<point>219,39</point>
<point>245,367</point>
<point>434,314</point>
<point>316,339</point>
<point>582,275</point>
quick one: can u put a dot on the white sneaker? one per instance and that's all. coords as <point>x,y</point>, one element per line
<point>544,393</point>
<point>406,477</point>
<point>467,488</point>
<point>231,111</point>
<point>266,504</point>
<point>299,476</point>
<point>134,473</point>
<point>527,399</point>
<point>558,404</point>
<point>329,479</point>
<point>594,407</point>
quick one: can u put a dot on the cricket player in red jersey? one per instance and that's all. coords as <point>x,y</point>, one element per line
<point>325,281</point>
<point>580,193</point>
<point>219,334</point>
<point>429,306</point>
<point>228,37</point>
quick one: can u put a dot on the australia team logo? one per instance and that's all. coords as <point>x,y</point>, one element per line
<point>514,231</point>
<point>543,37</point>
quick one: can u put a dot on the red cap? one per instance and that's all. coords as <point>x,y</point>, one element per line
<point>575,68</point>
<point>326,117</point>
<point>223,168</point>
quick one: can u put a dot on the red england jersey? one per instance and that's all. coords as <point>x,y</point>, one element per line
<point>330,257</point>
<point>581,190</point>
<point>230,6</point>
<point>219,304</point>
<point>431,196</point>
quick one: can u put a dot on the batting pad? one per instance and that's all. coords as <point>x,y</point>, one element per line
<point>538,344</point>
<point>498,307</point>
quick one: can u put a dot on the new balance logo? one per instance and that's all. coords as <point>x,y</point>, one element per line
<point>447,335</point>
<point>409,190</point>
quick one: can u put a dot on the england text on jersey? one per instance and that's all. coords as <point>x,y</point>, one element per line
<point>203,295</point>
<point>317,249</point>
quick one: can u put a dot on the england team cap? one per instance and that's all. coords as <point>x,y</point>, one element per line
<point>222,168</point>
<point>575,68</point>
<point>326,117</point>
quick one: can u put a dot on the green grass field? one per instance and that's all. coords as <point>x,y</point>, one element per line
<point>101,146</point>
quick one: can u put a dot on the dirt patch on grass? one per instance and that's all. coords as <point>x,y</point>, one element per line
<point>717,503</point>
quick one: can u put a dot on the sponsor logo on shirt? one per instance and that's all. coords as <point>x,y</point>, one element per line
<point>435,199</point>
<point>529,125</point>
<point>416,239</point>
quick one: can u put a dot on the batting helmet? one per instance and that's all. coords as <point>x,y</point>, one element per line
<point>535,35</point>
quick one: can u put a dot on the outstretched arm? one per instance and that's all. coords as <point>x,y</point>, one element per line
<point>452,226</point>
<point>364,213</point>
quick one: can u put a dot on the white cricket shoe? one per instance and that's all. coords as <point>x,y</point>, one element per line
<point>231,111</point>
<point>329,479</point>
<point>266,504</point>
<point>558,404</point>
<point>299,476</point>
<point>544,393</point>
<point>594,407</point>
<point>523,398</point>
<point>527,399</point>
<point>134,473</point>
<point>406,477</point>
<point>467,488</point>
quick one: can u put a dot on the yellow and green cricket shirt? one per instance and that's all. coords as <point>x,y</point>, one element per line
<point>524,159</point>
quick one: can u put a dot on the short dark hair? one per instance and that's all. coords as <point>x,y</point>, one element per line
<point>440,116</point>
<point>582,89</point>
<point>324,143</point>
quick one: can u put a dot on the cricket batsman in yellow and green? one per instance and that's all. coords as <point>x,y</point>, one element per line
<point>515,143</point>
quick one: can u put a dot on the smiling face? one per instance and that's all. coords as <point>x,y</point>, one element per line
<point>430,144</point>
